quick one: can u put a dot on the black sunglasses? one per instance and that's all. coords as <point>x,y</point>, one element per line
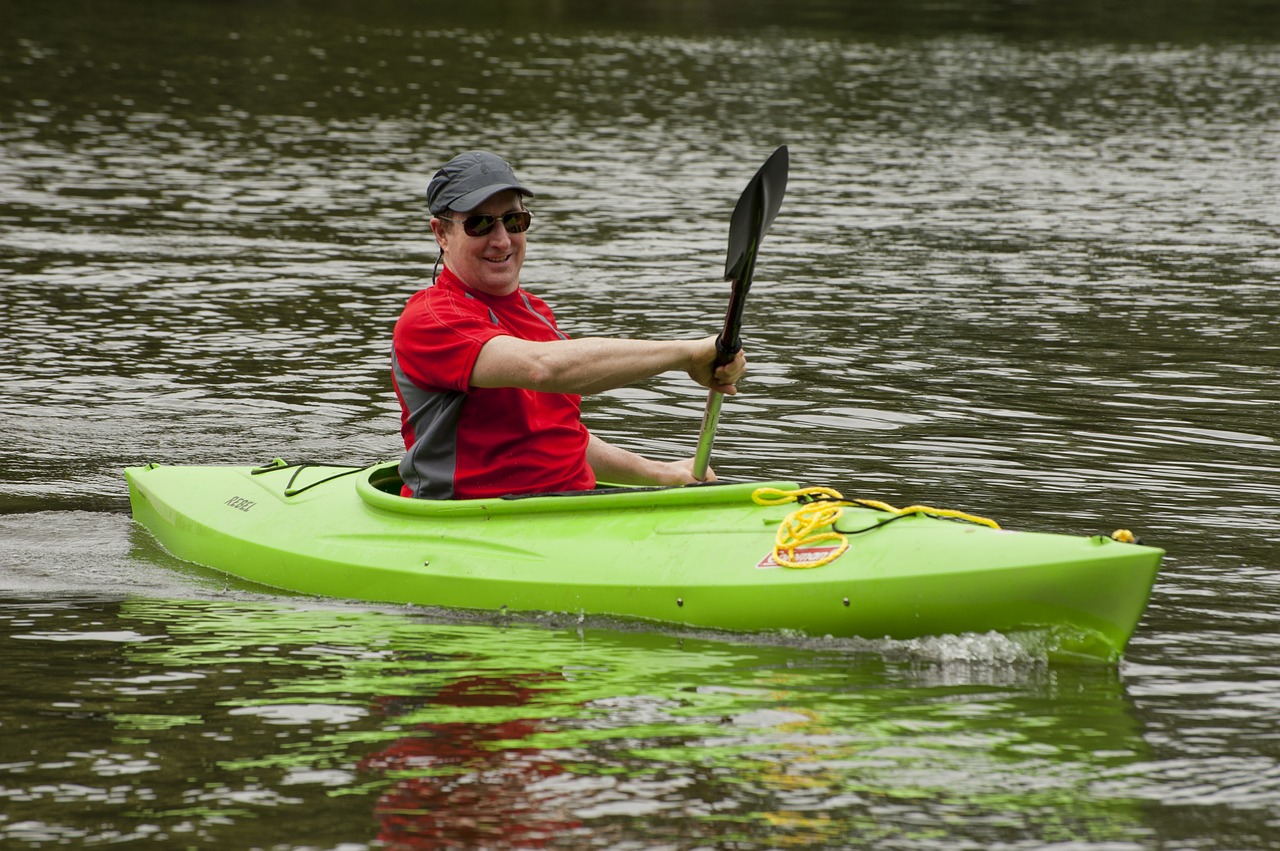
<point>517,221</point>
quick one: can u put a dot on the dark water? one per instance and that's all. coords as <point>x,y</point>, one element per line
<point>1026,268</point>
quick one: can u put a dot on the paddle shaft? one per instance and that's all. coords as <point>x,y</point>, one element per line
<point>728,344</point>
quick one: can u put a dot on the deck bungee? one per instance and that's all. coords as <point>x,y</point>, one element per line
<point>706,556</point>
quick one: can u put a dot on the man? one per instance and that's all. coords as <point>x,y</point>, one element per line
<point>489,387</point>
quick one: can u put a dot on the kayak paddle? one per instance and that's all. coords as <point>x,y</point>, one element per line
<point>754,213</point>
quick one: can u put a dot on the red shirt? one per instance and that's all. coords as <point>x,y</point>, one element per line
<point>464,442</point>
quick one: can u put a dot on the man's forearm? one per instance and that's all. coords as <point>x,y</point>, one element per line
<point>615,465</point>
<point>593,364</point>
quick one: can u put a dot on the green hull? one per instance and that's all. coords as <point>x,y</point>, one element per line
<point>695,556</point>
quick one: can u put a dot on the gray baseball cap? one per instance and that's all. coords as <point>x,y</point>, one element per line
<point>468,179</point>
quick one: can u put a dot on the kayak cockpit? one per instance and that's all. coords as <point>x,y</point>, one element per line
<point>379,487</point>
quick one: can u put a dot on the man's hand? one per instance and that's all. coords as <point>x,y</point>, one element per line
<point>722,379</point>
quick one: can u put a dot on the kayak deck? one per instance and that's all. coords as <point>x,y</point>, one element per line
<point>697,556</point>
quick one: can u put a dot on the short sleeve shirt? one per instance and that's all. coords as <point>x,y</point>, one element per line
<point>464,442</point>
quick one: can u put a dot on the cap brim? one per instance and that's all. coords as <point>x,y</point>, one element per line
<point>476,197</point>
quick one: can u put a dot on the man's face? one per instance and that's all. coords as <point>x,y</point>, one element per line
<point>489,263</point>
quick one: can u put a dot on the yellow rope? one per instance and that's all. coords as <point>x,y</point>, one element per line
<point>814,522</point>
<point>931,511</point>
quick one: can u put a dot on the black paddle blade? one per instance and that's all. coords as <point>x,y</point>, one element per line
<point>756,209</point>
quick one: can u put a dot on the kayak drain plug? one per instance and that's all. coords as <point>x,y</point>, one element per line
<point>846,601</point>
<point>680,601</point>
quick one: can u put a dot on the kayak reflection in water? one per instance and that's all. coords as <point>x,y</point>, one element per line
<point>470,785</point>
<point>489,386</point>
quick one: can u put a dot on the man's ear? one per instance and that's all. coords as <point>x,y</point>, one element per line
<point>438,228</point>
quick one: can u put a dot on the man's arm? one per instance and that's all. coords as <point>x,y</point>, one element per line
<point>593,364</point>
<point>618,466</point>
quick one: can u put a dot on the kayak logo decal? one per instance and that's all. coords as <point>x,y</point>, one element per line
<point>800,556</point>
<point>241,503</point>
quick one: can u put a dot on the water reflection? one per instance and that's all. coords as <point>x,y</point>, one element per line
<point>217,720</point>
<point>469,784</point>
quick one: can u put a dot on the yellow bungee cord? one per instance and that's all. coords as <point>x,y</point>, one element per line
<point>814,521</point>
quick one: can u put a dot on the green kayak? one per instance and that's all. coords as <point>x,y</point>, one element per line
<point>701,556</point>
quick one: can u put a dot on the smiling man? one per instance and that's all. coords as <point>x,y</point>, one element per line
<point>489,387</point>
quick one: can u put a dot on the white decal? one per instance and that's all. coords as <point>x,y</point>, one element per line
<point>802,556</point>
